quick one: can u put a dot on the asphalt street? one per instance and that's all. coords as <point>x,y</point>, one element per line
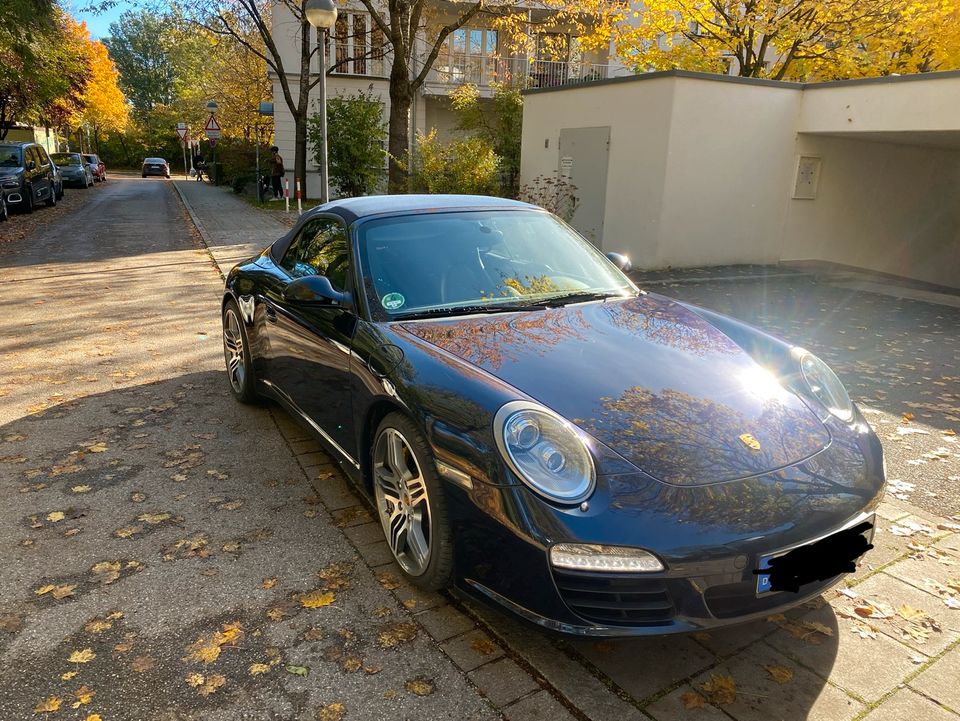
<point>164,553</point>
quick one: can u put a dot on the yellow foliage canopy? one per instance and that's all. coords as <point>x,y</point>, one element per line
<point>793,40</point>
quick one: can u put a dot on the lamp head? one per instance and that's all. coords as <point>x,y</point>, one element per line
<point>321,13</point>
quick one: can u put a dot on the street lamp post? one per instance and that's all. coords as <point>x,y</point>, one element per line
<point>322,14</point>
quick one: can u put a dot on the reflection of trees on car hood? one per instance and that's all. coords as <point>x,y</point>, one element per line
<point>685,439</point>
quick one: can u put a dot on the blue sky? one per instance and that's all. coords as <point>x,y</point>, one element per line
<point>98,24</point>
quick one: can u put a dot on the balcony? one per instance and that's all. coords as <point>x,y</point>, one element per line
<point>481,71</point>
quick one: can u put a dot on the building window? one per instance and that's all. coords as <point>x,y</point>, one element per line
<point>360,44</point>
<point>342,35</point>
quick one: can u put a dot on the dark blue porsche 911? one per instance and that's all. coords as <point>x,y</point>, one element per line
<point>535,429</point>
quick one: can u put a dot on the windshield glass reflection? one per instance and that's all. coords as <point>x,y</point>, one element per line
<point>445,260</point>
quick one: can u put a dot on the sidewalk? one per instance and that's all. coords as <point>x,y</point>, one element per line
<point>884,647</point>
<point>231,229</point>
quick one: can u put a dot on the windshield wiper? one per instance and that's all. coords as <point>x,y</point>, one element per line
<point>468,310</point>
<point>580,296</point>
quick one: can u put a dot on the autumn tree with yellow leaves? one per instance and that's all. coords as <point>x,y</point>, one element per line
<point>793,39</point>
<point>105,107</point>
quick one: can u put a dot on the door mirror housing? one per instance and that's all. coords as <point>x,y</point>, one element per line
<point>621,261</point>
<point>314,290</point>
<point>31,165</point>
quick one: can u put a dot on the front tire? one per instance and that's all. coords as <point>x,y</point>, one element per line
<point>411,504</point>
<point>4,211</point>
<point>236,354</point>
<point>27,203</point>
<point>52,200</point>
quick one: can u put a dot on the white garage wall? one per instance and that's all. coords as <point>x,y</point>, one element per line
<point>881,206</point>
<point>728,173</point>
<point>702,170</point>
<point>639,137</point>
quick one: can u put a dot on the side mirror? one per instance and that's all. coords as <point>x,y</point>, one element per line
<point>621,261</point>
<point>31,165</point>
<point>314,290</point>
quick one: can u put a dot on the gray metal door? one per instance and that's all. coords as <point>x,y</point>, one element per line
<point>584,155</point>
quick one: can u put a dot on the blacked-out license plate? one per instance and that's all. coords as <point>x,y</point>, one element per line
<point>818,561</point>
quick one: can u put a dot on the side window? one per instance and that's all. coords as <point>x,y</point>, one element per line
<point>322,248</point>
<point>33,155</point>
<point>44,158</point>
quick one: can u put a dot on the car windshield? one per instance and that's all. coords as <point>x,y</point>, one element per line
<point>472,261</point>
<point>90,158</point>
<point>65,159</point>
<point>10,156</point>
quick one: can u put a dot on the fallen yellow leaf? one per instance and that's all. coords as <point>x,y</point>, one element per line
<point>81,489</point>
<point>212,683</point>
<point>97,447</point>
<point>691,700</point>
<point>331,712</point>
<point>721,689</point>
<point>269,582</point>
<point>420,686</point>
<point>94,717</point>
<point>84,656</point>
<point>910,613</point>
<point>44,589</point>
<point>316,599</point>
<point>68,675</point>
<point>56,516</point>
<point>49,706</point>
<point>257,668</point>
<point>83,695</point>
<point>780,674</point>
<point>195,679</point>
<point>153,518</point>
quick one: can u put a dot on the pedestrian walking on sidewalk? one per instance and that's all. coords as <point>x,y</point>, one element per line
<point>276,172</point>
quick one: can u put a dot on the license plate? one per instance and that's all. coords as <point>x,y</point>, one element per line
<point>788,570</point>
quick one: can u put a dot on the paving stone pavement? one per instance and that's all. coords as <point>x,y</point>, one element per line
<point>882,646</point>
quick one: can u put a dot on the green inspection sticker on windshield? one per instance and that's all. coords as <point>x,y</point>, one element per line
<point>392,301</point>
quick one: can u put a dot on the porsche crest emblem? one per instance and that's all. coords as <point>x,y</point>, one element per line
<point>750,442</point>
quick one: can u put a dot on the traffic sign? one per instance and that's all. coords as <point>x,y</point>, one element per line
<point>182,130</point>
<point>212,106</point>
<point>212,128</point>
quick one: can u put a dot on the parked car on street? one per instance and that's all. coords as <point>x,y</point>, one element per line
<point>531,426</point>
<point>74,169</point>
<point>155,166</point>
<point>27,175</point>
<point>57,179</point>
<point>97,167</point>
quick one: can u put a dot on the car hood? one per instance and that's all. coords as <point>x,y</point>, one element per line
<point>648,378</point>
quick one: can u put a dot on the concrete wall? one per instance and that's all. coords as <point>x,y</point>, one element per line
<point>639,138</point>
<point>702,169</point>
<point>885,207</point>
<point>729,173</point>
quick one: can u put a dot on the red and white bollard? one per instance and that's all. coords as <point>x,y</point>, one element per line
<point>286,194</point>
<point>299,201</point>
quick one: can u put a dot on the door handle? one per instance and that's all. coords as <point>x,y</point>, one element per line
<point>271,314</point>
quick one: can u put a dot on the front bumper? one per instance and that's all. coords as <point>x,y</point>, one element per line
<point>710,539</point>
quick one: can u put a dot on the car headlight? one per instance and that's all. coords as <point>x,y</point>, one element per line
<point>826,387</point>
<point>547,452</point>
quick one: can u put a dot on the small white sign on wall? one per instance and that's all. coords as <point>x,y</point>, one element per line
<point>566,166</point>
<point>808,177</point>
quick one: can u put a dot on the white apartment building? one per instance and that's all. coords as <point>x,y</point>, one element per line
<point>473,54</point>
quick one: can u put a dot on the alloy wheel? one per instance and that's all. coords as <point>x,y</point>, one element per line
<point>233,350</point>
<point>402,501</point>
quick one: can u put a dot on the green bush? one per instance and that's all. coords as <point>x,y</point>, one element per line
<point>356,137</point>
<point>239,183</point>
<point>469,166</point>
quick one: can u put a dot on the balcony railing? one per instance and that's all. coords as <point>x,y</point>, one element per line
<point>484,70</point>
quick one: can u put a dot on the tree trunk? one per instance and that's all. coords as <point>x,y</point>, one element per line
<point>400,100</point>
<point>300,158</point>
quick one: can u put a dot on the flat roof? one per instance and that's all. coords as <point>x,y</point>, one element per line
<point>766,82</point>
